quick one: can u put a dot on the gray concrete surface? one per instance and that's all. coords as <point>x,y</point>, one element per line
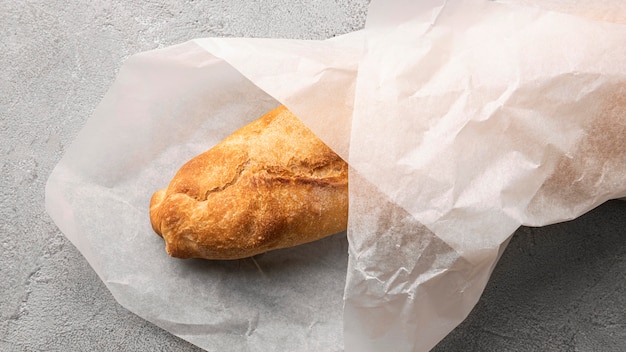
<point>558,288</point>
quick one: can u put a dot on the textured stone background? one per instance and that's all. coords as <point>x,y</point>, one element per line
<point>557,288</point>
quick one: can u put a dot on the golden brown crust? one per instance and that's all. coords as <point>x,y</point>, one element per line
<point>272,184</point>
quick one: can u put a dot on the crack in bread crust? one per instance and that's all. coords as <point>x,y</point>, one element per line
<point>240,170</point>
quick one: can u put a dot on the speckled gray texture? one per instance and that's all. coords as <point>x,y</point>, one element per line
<point>558,288</point>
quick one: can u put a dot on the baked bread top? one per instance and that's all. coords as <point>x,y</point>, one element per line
<point>271,184</point>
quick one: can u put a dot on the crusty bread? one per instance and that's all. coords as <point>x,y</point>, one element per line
<point>271,184</point>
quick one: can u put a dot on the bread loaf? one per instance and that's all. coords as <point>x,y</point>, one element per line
<point>272,184</point>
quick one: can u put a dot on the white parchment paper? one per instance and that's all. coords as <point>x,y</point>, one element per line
<point>471,119</point>
<point>461,120</point>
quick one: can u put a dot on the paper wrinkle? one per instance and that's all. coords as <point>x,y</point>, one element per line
<point>383,15</point>
<point>412,297</point>
<point>461,121</point>
<point>455,127</point>
<point>594,170</point>
<point>598,10</point>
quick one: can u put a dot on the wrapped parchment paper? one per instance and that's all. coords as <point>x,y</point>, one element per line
<point>461,120</point>
<point>471,119</point>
